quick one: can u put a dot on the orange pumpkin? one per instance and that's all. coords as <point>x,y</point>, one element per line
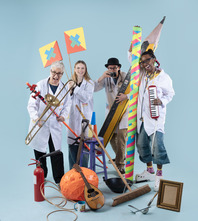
<point>72,184</point>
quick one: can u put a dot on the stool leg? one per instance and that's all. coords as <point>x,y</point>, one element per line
<point>81,156</point>
<point>92,164</point>
<point>94,158</point>
<point>104,163</point>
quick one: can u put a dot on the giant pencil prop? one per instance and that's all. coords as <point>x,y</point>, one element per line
<point>134,87</point>
<point>32,88</point>
<point>151,41</point>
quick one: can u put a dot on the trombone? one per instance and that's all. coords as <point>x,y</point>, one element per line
<point>51,101</point>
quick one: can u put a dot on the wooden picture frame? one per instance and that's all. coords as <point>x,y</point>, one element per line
<point>169,195</point>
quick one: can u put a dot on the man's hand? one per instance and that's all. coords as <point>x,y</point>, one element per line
<point>104,75</point>
<point>121,97</point>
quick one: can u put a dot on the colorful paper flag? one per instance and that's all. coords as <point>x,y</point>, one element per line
<point>132,115</point>
<point>75,40</point>
<point>50,53</point>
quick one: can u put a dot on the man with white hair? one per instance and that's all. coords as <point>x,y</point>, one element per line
<point>51,132</point>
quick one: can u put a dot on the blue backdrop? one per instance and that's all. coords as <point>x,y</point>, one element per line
<point>28,25</point>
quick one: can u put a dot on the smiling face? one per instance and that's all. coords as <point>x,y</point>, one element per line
<point>80,70</point>
<point>147,62</point>
<point>55,76</point>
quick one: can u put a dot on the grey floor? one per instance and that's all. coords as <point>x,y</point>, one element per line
<point>17,196</point>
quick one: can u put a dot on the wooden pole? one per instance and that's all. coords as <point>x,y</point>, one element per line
<point>66,73</point>
<point>70,64</point>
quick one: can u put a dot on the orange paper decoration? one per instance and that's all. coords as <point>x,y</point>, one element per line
<point>72,184</point>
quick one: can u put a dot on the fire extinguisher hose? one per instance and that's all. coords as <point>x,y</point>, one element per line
<point>60,205</point>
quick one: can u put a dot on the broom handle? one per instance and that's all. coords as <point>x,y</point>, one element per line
<point>101,145</point>
<point>149,204</point>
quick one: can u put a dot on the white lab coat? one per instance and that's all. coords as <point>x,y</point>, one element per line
<point>165,93</point>
<point>83,97</point>
<point>52,126</point>
<point>112,95</point>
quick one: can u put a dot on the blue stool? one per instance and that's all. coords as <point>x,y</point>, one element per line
<point>95,151</point>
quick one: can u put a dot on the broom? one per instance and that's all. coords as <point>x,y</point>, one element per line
<point>132,193</point>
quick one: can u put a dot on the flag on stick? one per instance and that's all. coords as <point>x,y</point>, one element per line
<point>75,40</point>
<point>50,53</point>
<point>132,115</point>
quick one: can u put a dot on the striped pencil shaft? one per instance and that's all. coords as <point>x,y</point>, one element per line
<point>132,115</point>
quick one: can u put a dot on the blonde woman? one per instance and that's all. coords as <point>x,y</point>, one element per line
<point>81,95</point>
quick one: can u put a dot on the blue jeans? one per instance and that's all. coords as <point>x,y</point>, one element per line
<point>144,144</point>
<point>73,152</point>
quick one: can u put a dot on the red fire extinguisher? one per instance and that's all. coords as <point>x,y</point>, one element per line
<point>39,176</point>
<point>38,181</point>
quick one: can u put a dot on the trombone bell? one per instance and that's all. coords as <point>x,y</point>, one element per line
<point>52,100</point>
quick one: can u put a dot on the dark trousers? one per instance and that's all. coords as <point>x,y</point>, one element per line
<point>73,152</point>
<point>56,162</point>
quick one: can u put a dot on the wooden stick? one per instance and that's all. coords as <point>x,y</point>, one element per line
<point>101,145</point>
<point>70,64</point>
<point>66,73</point>
<point>152,199</point>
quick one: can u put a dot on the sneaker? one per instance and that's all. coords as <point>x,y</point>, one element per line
<point>157,182</point>
<point>145,175</point>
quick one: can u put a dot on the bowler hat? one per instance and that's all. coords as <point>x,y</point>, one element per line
<point>113,61</point>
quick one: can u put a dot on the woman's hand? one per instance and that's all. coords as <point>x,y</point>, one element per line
<point>157,101</point>
<point>71,84</point>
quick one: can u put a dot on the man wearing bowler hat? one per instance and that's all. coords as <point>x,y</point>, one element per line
<point>112,79</point>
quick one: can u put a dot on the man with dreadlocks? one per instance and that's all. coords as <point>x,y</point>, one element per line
<point>150,132</point>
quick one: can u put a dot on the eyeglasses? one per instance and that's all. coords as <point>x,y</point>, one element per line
<point>113,69</point>
<point>145,61</point>
<point>58,73</point>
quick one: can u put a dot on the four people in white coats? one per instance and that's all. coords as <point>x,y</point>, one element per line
<point>81,95</point>
<point>112,79</point>
<point>51,132</point>
<point>150,132</point>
